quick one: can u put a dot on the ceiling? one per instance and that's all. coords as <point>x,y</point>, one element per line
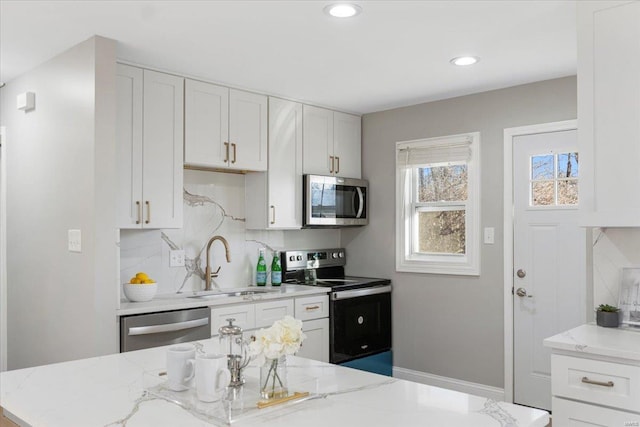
<point>395,53</point>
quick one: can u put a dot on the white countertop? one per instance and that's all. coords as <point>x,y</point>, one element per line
<point>623,342</point>
<point>169,302</point>
<point>112,390</point>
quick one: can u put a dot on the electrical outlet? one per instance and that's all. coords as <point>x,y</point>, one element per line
<point>74,238</point>
<point>176,258</point>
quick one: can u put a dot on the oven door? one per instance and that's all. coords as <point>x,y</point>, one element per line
<point>360,323</point>
<point>332,201</point>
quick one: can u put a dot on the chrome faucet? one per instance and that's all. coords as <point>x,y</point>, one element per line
<point>208,274</point>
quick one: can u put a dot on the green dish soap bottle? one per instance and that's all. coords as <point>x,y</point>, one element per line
<point>276,270</point>
<point>261,270</point>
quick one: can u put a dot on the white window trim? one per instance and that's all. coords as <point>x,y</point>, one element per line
<point>468,264</point>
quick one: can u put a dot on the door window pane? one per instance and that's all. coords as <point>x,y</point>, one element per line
<point>568,165</point>
<point>568,192</point>
<point>542,167</point>
<point>441,232</point>
<point>542,193</point>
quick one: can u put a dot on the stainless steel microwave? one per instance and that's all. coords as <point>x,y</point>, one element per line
<point>331,201</point>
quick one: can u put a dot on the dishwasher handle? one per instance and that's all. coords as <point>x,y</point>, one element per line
<point>168,327</point>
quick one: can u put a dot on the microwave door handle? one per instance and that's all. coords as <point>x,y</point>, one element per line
<point>361,199</point>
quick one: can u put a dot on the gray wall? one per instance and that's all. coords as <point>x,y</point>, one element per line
<point>450,326</point>
<point>60,170</point>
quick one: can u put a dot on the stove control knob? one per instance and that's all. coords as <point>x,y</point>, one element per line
<point>334,255</point>
<point>292,258</point>
<point>341,254</point>
<point>299,257</point>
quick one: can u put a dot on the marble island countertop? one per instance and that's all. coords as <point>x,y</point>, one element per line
<point>622,343</point>
<point>167,302</point>
<point>117,390</point>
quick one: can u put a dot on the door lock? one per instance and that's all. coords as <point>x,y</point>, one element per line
<point>521,273</point>
<point>522,292</point>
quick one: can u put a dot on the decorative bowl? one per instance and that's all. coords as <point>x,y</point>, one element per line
<point>140,292</point>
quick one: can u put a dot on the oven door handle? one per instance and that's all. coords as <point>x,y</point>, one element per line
<point>361,202</point>
<point>168,327</point>
<point>360,292</point>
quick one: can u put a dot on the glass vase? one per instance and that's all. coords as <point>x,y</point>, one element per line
<point>273,379</point>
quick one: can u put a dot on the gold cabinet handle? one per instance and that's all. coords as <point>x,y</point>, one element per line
<point>338,164</point>
<point>313,307</point>
<point>586,380</point>
<point>273,214</point>
<point>332,158</point>
<point>139,212</point>
<point>226,154</point>
<point>148,212</point>
<point>233,144</point>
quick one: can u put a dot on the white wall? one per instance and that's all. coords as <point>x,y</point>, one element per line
<point>60,168</point>
<point>450,326</point>
<point>216,207</point>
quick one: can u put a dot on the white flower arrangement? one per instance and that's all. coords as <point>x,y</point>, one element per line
<point>284,337</point>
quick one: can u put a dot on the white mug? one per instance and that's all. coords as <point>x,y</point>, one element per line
<point>212,376</point>
<point>180,366</point>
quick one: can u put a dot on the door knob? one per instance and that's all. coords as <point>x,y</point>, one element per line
<point>522,292</point>
<point>521,273</point>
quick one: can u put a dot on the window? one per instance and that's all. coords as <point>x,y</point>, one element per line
<point>554,180</point>
<point>437,205</point>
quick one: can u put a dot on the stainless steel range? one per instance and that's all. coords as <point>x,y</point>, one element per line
<point>359,309</point>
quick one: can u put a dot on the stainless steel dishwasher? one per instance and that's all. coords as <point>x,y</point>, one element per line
<point>158,329</point>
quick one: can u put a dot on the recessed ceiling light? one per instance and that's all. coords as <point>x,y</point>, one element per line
<point>342,10</point>
<point>465,60</point>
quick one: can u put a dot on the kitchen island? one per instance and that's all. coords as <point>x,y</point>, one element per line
<point>126,389</point>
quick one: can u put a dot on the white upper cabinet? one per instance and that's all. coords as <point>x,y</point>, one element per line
<point>332,143</point>
<point>609,113</point>
<point>149,131</point>
<point>347,146</point>
<point>224,128</point>
<point>206,128</point>
<point>274,198</point>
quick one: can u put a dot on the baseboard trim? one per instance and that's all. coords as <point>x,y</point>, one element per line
<point>489,392</point>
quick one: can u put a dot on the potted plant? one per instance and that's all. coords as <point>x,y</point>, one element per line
<point>608,316</point>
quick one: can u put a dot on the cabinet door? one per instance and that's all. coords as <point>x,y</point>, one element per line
<point>347,147</point>
<point>317,141</point>
<point>206,125</point>
<point>243,314</point>
<point>162,150</point>
<point>570,413</point>
<point>285,164</point>
<point>316,345</point>
<point>129,83</point>
<point>611,68</point>
<point>247,131</point>
<point>270,311</point>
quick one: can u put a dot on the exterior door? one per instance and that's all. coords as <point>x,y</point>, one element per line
<point>549,254</point>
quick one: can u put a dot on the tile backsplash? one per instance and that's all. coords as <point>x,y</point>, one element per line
<point>214,204</point>
<point>613,249</point>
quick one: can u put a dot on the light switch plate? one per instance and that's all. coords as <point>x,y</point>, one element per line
<point>489,235</point>
<point>176,258</point>
<point>75,240</point>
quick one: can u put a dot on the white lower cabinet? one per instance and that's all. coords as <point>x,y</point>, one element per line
<point>312,310</point>
<point>570,413</point>
<point>316,345</point>
<point>270,311</point>
<point>244,315</point>
<point>594,391</point>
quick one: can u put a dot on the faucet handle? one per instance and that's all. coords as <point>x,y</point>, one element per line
<point>215,273</point>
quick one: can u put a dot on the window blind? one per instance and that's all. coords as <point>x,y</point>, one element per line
<point>417,154</point>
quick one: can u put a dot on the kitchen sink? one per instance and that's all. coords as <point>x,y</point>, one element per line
<point>231,293</point>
